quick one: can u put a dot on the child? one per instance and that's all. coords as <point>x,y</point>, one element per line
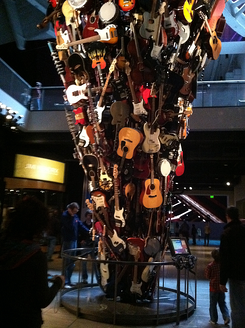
<point>216,296</point>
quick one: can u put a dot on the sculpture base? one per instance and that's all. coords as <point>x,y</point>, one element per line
<point>91,303</point>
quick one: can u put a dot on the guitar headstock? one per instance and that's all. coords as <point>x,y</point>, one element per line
<point>112,66</point>
<point>162,8</point>
<point>89,205</point>
<point>115,171</point>
<point>127,68</point>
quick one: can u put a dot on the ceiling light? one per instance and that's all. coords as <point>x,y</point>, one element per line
<point>228,183</point>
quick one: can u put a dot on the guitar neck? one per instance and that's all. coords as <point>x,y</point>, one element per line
<point>140,59</point>
<point>152,169</point>
<point>130,82</point>
<point>87,40</point>
<point>116,194</point>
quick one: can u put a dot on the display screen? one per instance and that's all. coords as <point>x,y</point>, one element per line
<point>178,246</point>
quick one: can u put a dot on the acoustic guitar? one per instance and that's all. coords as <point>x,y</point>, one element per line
<point>151,194</point>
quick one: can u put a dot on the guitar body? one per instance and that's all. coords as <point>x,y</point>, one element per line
<point>151,194</point>
<point>126,5</point>
<point>91,25</point>
<point>187,75</point>
<point>151,144</point>
<point>118,216</point>
<point>141,167</point>
<point>119,111</point>
<point>129,139</point>
<point>99,199</point>
<point>90,163</point>
<point>185,11</point>
<point>149,27</point>
<point>139,108</point>
<point>180,166</point>
<point>215,45</point>
<point>118,244</point>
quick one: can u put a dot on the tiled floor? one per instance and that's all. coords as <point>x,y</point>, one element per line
<point>58,317</point>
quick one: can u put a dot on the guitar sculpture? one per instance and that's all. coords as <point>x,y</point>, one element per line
<point>130,72</point>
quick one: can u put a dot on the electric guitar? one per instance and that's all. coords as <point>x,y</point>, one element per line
<point>126,5</point>
<point>135,286</point>
<point>180,163</point>
<point>149,28</point>
<point>151,144</point>
<point>118,213</point>
<point>106,35</point>
<point>99,199</point>
<point>138,106</point>
<point>185,11</point>
<point>170,24</point>
<point>104,267</point>
<point>75,93</point>
<point>118,244</point>
<point>99,108</point>
<point>151,194</point>
<point>160,34</point>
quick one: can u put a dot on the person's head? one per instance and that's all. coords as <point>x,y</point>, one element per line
<point>73,208</point>
<point>88,216</point>
<point>215,254</point>
<point>232,214</point>
<point>27,220</point>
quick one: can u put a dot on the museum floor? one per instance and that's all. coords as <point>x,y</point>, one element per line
<point>58,317</point>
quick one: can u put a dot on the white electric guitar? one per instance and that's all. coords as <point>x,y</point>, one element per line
<point>118,213</point>
<point>138,106</point>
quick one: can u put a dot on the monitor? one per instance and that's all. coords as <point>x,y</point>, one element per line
<point>178,246</point>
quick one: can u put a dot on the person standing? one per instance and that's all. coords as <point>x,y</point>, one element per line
<point>85,240</point>
<point>70,228</point>
<point>207,231</point>
<point>184,230</point>
<point>52,234</point>
<point>176,229</point>
<point>25,289</point>
<point>216,296</point>
<point>232,265</point>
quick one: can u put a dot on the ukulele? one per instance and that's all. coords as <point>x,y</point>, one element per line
<point>151,143</point>
<point>135,286</point>
<point>118,213</point>
<point>151,194</point>
<point>150,26</point>
<point>106,35</point>
<point>138,106</point>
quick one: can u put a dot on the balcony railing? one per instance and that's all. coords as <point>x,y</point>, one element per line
<point>209,93</point>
